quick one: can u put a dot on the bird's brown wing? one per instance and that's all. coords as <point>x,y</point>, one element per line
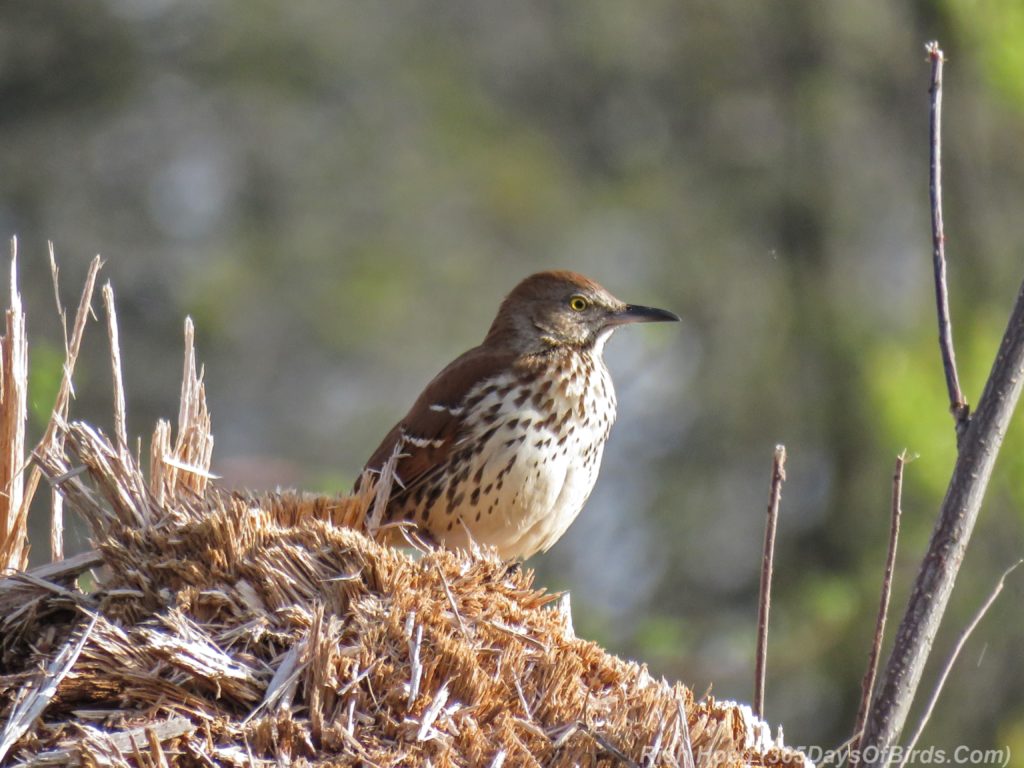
<point>433,425</point>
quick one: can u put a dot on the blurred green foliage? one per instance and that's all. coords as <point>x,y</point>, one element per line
<point>46,370</point>
<point>995,29</point>
<point>341,193</point>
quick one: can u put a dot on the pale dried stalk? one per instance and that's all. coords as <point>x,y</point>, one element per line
<point>13,413</point>
<point>120,429</point>
<point>53,438</point>
<point>35,695</point>
<point>186,465</point>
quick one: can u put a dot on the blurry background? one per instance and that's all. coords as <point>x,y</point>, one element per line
<point>340,194</point>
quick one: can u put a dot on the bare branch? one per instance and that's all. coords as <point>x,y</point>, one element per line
<point>979,441</point>
<point>960,642</point>
<point>868,686</point>
<point>957,404</point>
<point>959,512</point>
<point>764,601</point>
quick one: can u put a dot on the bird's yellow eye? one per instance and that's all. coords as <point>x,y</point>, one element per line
<point>578,303</point>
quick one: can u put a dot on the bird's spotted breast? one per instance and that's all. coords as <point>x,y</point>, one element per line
<point>524,460</point>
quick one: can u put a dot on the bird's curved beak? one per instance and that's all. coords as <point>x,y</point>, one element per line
<point>633,313</point>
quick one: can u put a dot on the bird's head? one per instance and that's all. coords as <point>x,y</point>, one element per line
<point>564,309</point>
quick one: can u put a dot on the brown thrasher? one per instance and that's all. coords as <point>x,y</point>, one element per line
<point>504,445</point>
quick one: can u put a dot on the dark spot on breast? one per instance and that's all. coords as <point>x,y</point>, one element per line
<point>474,498</point>
<point>524,395</point>
<point>435,494</point>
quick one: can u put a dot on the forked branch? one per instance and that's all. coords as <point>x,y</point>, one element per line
<point>979,443</point>
<point>958,514</point>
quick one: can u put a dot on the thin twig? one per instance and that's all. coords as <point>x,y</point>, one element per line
<point>765,599</point>
<point>960,642</point>
<point>957,404</point>
<point>868,685</point>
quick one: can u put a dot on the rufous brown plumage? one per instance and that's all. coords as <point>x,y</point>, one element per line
<point>503,447</point>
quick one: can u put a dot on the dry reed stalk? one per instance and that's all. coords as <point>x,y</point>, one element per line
<point>13,412</point>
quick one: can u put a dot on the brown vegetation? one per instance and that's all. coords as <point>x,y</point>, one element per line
<point>233,629</point>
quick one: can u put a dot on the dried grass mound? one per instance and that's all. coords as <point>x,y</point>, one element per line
<point>234,629</point>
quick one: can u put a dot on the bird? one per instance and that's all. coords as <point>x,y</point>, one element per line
<point>504,445</point>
